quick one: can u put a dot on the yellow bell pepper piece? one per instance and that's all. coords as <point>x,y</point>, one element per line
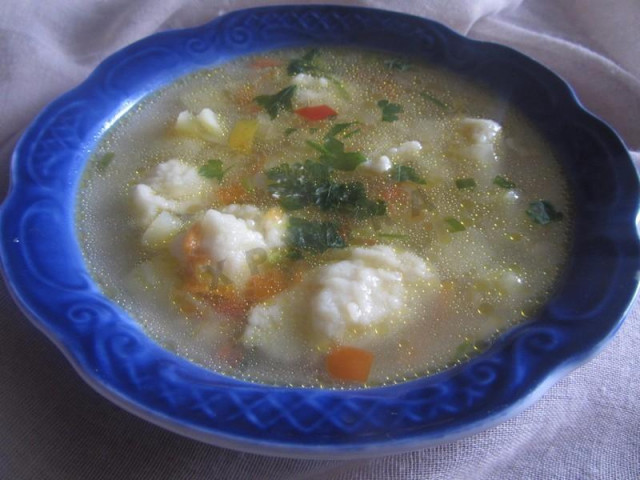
<point>242,134</point>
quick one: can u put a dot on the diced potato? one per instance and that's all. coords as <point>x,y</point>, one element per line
<point>242,135</point>
<point>161,230</point>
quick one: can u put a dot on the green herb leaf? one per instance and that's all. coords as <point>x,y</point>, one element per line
<point>434,100</point>
<point>342,129</point>
<point>348,198</point>
<point>289,131</point>
<point>389,110</point>
<point>305,64</point>
<point>454,225</point>
<point>404,173</point>
<point>502,182</point>
<point>281,100</point>
<point>314,236</point>
<point>332,153</point>
<point>104,161</point>
<point>213,169</point>
<point>543,212</point>
<point>295,185</point>
<point>401,64</point>
<point>300,185</point>
<point>465,183</point>
<point>397,236</point>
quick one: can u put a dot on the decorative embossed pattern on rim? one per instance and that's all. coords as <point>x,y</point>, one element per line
<point>44,268</point>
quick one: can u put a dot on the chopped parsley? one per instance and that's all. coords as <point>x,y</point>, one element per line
<point>281,100</point>
<point>389,110</point>
<point>289,131</point>
<point>454,225</point>
<point>314,236</point>
<point>104,161</point>
<point>213,169</point>
<point>438,103</point>
<point>400,64</point>
<point>309,184</point>
<point>345,130</point>
<point>332,153</point>
<point>305,64</point>
<point>404,173</point>
<point>543,212</point>
<point>502,182</point>
<point>462,183</point>
<point>393,236</point>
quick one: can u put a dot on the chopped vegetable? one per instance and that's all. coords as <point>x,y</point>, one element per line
<point>281,100</point>
<point>454,225</point>
<point>234,193</point>
<point>305,64</point>
<point>226,300</point>
<point>319,112</point>
<point>401,64</point>
<point>393,236</point>
<point>104,161</point>
<point>213,169</point>
<point>342,129</point>
<point>314,236</point>
<point>265,62</point>
<point>404,173</point>
<point>299,185</point>
<point>263,286</point>
<point>434,100</point>
<point>332,153</point>
<point>389,110</point>
<point>462,183</point>
<point>289,131</point>
<point>543,212</point>
<point>295,186</point>
<point>350,364</point>
<point>502,182</point>
<point>242,134</point>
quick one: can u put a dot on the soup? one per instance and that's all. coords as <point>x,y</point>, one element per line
<point>327,217</point>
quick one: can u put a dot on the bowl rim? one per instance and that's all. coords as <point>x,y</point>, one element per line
<point>54,290</point>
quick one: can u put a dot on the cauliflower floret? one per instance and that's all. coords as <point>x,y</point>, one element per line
<point>340,302</point>
<point>406,150</point>
<point>232,237</point>
<point>364,290</point>
<point>311,90</point>
<point>205,125</point>
<point>173,179</point>
<point>172,187</point>
<point>477,140</point>
<point>377,165</point>
<point>383,163</point>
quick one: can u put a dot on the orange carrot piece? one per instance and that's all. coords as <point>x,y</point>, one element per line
<point>265,62</point>
<point>226,300</point>
<point>349,363</point>
<point>263,286</point>
<point>234,193</point>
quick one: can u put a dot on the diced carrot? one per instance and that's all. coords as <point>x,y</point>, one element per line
<point>263,286</point>
<point>349,363</point>
<point>230,354</point>
<point>234,193</point>
<point>265,62</point>
<point>191,240</point>
<point>318,112</point>
<point>226,300</point>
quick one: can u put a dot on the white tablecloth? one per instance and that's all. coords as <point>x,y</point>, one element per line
<point>53,426</point>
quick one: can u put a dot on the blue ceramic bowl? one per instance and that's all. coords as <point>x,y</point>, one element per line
<point>44,268</point>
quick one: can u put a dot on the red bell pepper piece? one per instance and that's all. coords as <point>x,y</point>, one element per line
<point>319,112</point>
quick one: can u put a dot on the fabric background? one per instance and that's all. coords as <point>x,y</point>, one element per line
<point>53,426</point>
